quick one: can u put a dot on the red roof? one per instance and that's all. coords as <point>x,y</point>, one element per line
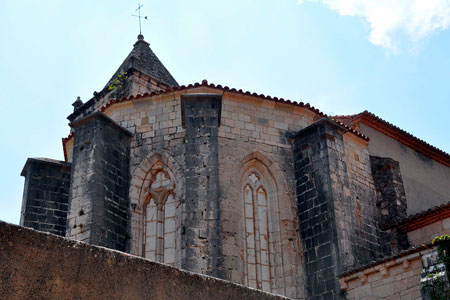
<point>396,133</point>
<point>430,216</point>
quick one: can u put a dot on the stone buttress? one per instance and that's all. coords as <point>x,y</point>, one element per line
<point>98,201</point>
<point>201,117</point>
<point>336,207</point>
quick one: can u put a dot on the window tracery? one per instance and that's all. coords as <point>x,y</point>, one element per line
<point>257,231</point>
<point>160,218</point>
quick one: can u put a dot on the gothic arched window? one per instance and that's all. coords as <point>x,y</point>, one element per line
<point>160,218</point>
<point>257,231</point>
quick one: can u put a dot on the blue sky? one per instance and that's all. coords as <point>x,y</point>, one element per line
<point>342,56</point>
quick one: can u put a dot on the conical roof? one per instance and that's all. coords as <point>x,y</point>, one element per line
<point>143,59</point>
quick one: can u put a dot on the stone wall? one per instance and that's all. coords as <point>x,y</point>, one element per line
<point>397,278</point>
<point>45,195</point>
<point>35,265</point>
<point>356,212</point>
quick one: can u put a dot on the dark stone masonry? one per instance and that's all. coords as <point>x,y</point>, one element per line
<point>391,203</point>
<point>316,211</point>
<point>98,201</point>
<point>45,195</point>
<point>201,115</point>
<point>391,199</point>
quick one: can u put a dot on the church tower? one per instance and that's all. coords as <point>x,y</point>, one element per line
<point>72,196</point>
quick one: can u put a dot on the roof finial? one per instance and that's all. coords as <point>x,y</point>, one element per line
<point>140,36</point>
<point>77,104</point>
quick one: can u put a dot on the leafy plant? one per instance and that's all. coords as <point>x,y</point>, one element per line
<point>118,81</point>
<point>438,275</point>
<point>443,248</point>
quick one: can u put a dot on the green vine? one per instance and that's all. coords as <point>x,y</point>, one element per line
<point>443,248</point>
<point>438,276</point>
<point>436,287</point>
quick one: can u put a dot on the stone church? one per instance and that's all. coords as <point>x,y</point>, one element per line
<point>258,190</point>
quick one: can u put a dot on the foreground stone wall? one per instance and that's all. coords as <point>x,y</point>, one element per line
<point>36,265</point>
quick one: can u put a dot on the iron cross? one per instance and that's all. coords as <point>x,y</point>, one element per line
<point>139,16</point>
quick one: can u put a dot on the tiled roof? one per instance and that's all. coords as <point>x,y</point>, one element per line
<point>425,218</point>
<point>143,59</point>
<point>387,258</point>
<point>64,142</point>
<point>205,83</point>
<point>396,133</point>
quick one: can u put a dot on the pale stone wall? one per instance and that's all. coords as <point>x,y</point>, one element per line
<point>356,212</point>
<point>159,137</point>
<point>426,234</point>
<point>253,138</point>
<point>394,279</point>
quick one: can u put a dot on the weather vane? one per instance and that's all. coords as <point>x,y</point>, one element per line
<point>139,16</point>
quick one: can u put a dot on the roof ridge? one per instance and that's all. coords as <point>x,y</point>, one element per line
<point>368,116</point>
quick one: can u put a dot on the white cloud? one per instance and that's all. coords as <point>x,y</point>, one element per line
<point>389,18</point>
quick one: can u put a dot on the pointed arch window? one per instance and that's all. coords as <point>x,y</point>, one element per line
<point>256,232</point>
<point>160,218</point>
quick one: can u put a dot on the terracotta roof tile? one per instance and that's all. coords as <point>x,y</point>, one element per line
<point>205,83</point>
<point>396,133</point>
<point>388,258</point>
<point>424,218</point>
